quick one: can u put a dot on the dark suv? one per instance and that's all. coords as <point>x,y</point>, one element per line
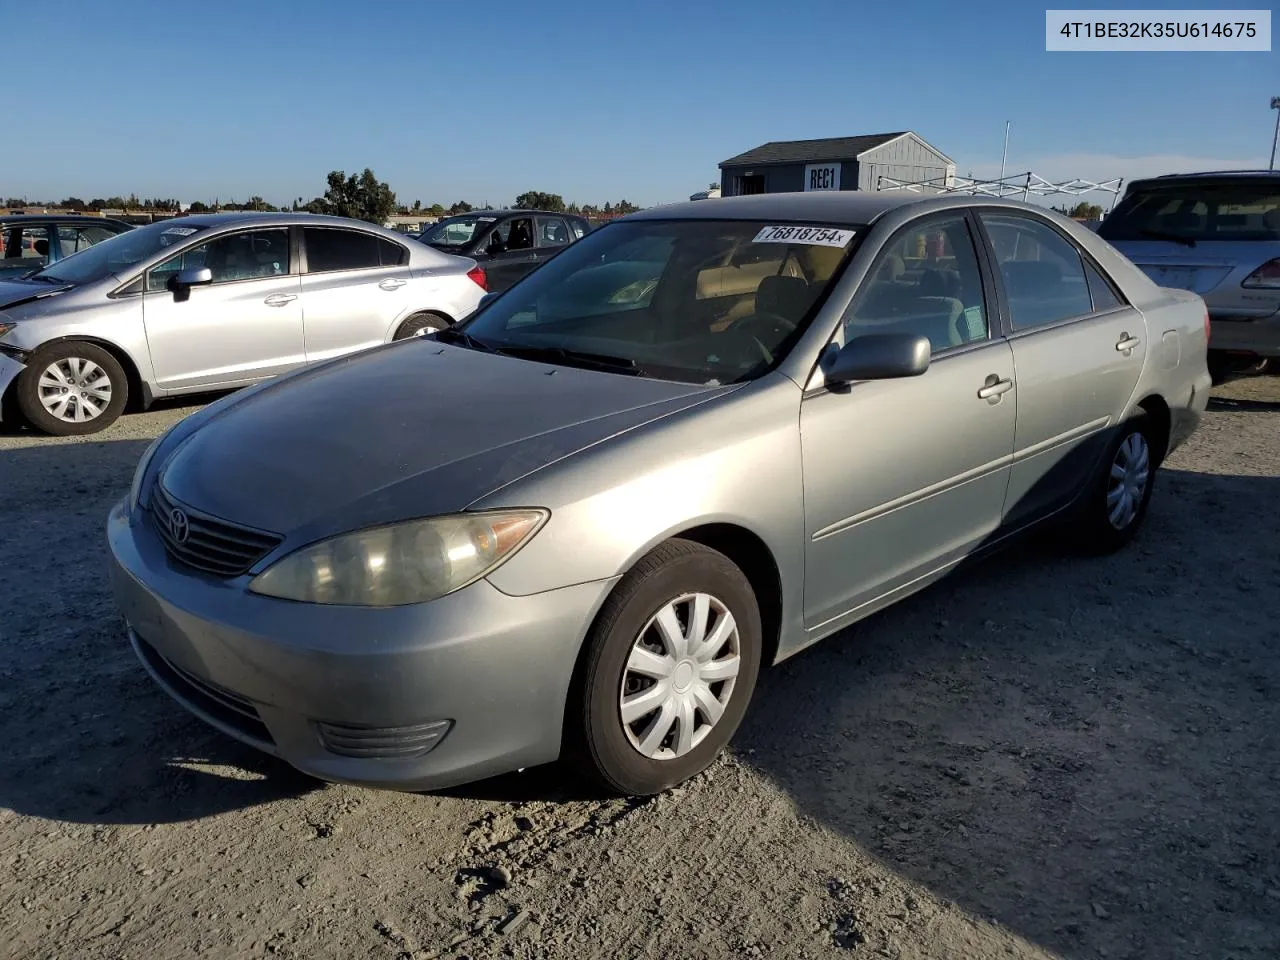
<point>507,243</point>
<point>30,241</point>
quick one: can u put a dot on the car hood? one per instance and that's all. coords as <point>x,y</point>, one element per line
<point>14,293</point>
<point>411,429</point>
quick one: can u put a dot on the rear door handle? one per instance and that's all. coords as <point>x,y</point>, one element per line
<point>1127,343</point>
<point>994,387</point>
<point>279,299</point>
<point>391,283</point>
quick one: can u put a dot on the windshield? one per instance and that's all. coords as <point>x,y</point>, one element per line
<point>1197,211</point>
<point>690,300</point>
<point>456,231</point>
<point>118,254</point>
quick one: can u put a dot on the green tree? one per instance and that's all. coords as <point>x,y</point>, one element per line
<point>258,205</point>
<point>537,200</point>
<point>460,207</point>
<point>417,206</point>
<point>199,207</point>
<point>436,210</point>
<point>1085,211</point>
<point>362,197</point>
<point>72,203</point>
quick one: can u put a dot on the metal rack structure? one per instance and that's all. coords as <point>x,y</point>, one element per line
<point>1021,186</point>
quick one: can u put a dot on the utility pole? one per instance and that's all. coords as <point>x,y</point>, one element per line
<point>1005,155</point>
<point>1275,105</point>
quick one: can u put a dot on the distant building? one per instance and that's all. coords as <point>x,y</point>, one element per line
<point>839,163</point>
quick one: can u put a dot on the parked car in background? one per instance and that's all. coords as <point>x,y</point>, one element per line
<point>1217,234</point>
<point>214,302</point>
<point>30,241</point>
<point>509,243</point>
<point>767,418</point>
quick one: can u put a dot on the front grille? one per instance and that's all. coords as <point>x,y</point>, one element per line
<point>211,545</point>
<point>208,699</point>
<point>387,743</point>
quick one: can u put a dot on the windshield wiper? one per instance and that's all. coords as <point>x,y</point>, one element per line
<point>43,278</point>
<point>453,335</point>
<point>574,358</point>
<point>1172,237</point>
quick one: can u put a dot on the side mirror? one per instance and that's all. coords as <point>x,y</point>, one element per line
<point>487,299</point>
<point>194,277</point>
<point>879,356</point>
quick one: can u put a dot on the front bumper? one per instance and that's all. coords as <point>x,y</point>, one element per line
<point>9,370</point>
<point>1259,337</point>
<point>414,698</point>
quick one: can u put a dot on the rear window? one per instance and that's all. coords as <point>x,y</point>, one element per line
<point>1197,211</point>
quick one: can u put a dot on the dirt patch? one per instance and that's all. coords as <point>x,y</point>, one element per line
<point>1043,756</point>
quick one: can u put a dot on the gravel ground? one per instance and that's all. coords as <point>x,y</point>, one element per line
<point>1043,756</point>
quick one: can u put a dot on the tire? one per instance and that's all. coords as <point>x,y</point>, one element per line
<point>55,409</point>
<point>672,579</point>
<point>420,324</point>
<point>1104,524</point>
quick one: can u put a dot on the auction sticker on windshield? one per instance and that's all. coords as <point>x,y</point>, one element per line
<point>813,236</point>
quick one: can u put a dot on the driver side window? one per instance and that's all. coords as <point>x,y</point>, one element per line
<point>252,255</point>
<point>926,282</point>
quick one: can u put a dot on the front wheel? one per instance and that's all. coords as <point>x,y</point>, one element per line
<point>668,672</point>
<point>421,324</point>
<point>72,389</point>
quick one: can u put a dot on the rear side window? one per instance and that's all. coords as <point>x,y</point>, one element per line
<point>1103,294</point>
<point>330,249</point>
<point>1191,211</point>
<point>1042,271</point>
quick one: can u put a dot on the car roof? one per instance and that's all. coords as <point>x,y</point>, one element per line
<point>838,206</point>
<point>57,218</point>
<point>1220,176</point>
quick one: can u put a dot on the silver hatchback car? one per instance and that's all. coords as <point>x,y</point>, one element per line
<point>215,302</point>
<point>698,440</point>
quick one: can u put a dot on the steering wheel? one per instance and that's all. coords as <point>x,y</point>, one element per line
<point>763,328</point>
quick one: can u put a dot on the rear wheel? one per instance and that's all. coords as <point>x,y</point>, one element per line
<point>668,671</point>
<point>72,389</point>
<point>1114,509</point>
<point>421,324</point>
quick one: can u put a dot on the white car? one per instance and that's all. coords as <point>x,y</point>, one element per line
<point>206,303</point>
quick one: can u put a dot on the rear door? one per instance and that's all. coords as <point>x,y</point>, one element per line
<point>354,289</point>
<point>1078,350</point>
<point>552,236</point>
<point>245,326</point>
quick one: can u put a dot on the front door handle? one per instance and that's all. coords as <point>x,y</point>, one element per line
<point>279,299</point>
<point>391,283</point>
<point>1127,343</point>
<point>994,387</point>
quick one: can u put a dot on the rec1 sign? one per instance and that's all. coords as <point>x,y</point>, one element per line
<point>822,176</point>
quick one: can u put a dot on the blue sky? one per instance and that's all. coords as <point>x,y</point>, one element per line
<point>595,101</point>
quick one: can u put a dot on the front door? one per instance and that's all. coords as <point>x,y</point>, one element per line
<point>902,477</point>
<point>511,252</point>
<point>245,326</point>
<point>1078,351</point>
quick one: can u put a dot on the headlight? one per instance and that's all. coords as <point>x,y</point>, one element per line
<point>410,562</point>
<point>6,327</point>
<point>135,490</point>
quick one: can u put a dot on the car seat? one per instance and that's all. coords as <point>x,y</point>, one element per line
<point>41,248</point>
<point>786,297</point>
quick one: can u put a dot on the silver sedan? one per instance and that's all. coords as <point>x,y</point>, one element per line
<point>696,442</point>
<point>206,303</point>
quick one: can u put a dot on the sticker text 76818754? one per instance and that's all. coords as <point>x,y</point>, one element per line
<point>814,236</point>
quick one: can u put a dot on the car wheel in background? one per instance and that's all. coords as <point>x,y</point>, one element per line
<point>72,389</point>
<point>668,670</point>
<point>421,324</point>
<point>1114,509</point>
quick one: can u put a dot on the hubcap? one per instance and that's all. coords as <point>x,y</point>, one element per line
<point>679,676</point>
<point>1130,472</point>
<point>74,390</point>
<point>429,329</point>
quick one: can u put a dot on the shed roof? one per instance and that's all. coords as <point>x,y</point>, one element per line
<point>810,151</point>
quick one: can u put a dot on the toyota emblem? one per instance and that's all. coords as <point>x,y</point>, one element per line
<point>179,526</point>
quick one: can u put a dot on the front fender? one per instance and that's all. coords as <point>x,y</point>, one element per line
<point>9,370</point>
